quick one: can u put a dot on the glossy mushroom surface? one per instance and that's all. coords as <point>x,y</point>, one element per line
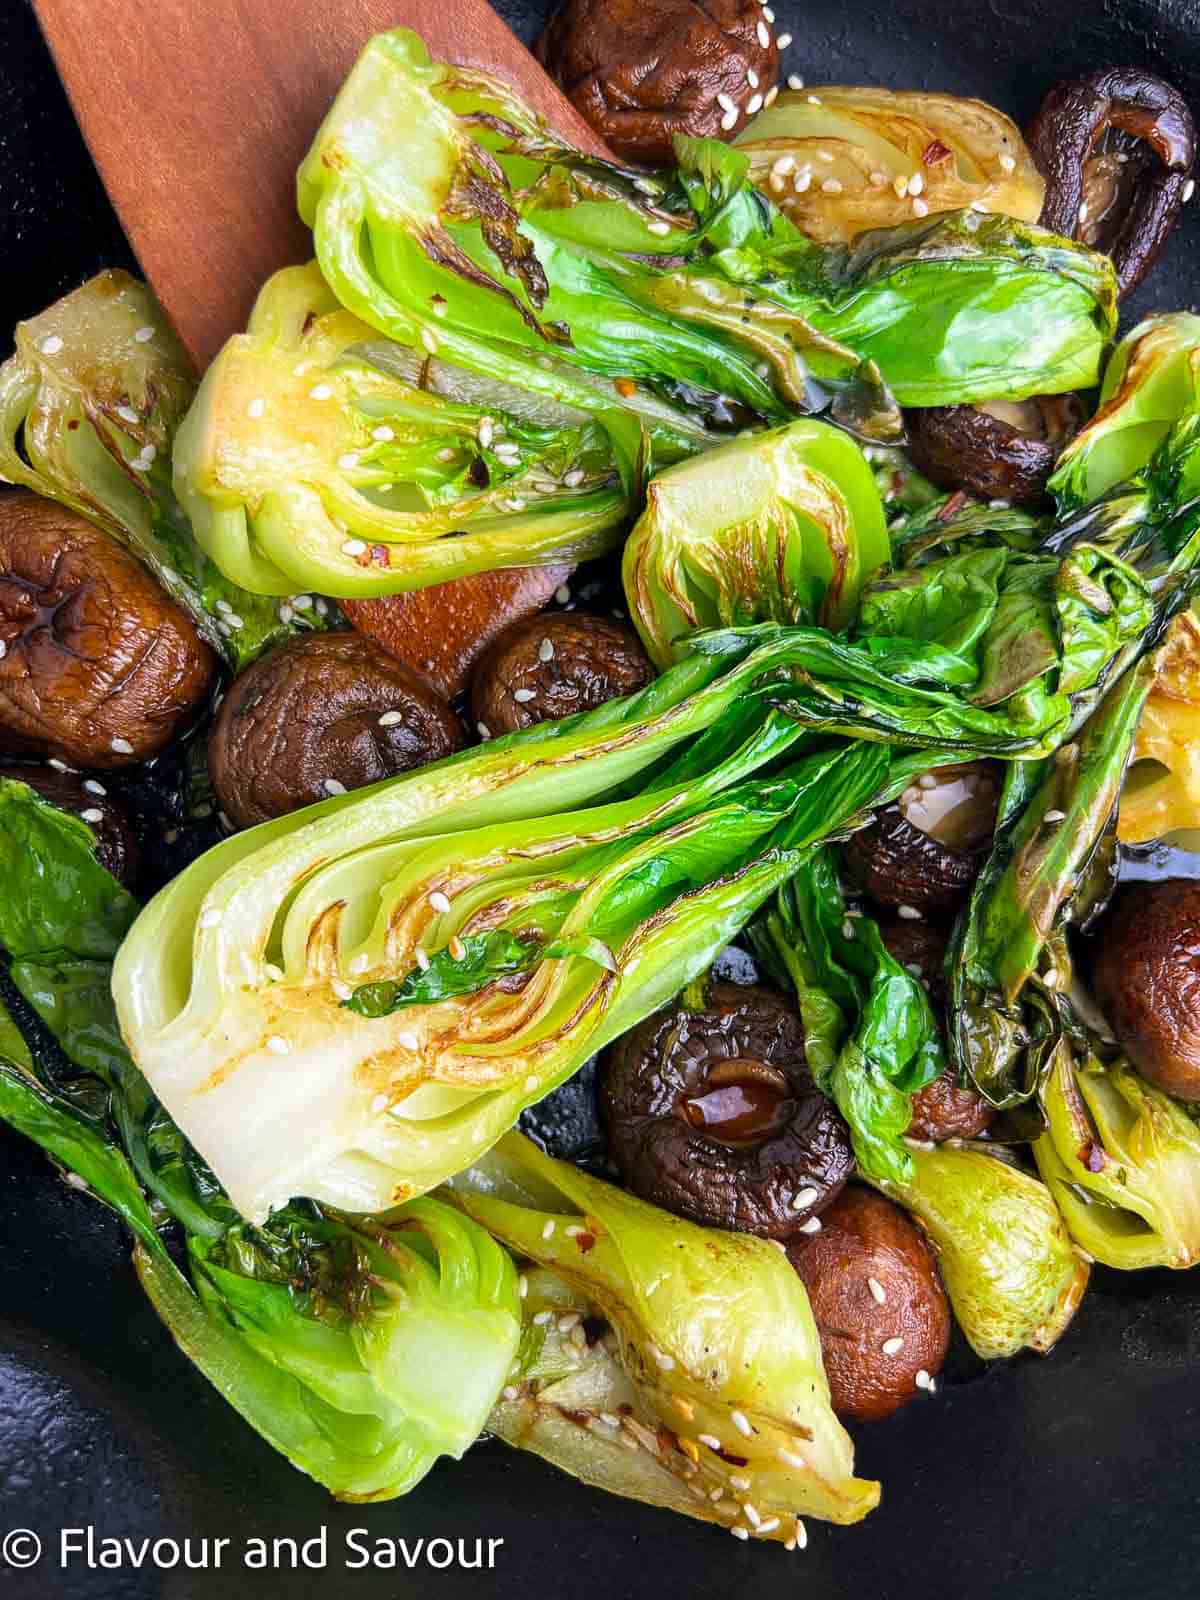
<point>878,1301</point>
<point>999,450</point>
<point>554,665</point>
<point>714,1115</point>
<point>98,665</point>
<point>640,71</point>
<point>1146,977</point>
<point>1116,149</point>
<point>321,715</point>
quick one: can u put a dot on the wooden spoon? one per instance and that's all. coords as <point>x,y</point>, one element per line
<point>197,114</point>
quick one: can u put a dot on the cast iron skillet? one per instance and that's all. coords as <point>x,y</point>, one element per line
<point>1061,1477</point>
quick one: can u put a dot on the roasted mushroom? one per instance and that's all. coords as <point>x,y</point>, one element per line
<point>553,665</point>
<point>878,1302</point>
<point>1146,977</point>
<point>998,450</point>
<point>318,716</point>
<point>922,853</point>
<point>714,1115</point>
<point>89,799</point>
<point>1116,149</point>
<point>641,70</point>
<point>98,666</point>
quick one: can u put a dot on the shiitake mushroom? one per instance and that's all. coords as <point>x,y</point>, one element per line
<point>923,852</point>
<point>553,665</point>
<point>1116,149</point>
<point>713,1114</point>
<point>997,450</point>
<point>1146,977</point>
<point>98,665</point>
<point>322,714</point>
<point>878,1302</point>
<point>89,799</point>
<point>640,71</point>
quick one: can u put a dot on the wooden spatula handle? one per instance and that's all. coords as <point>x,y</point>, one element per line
<point>197,113</point>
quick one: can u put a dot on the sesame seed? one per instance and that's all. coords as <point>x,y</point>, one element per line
<point>439,306</point>
<point>878,1292</point>
<point>421,958</point>
<point>562,594</point>
<point>256,407</point>
<point>801,181</point>
<point>522,1285</point>
<point>751,1511</point>
<point>831,186</point>
<point>546,650</point>
<point>482,729</point>
<point>456,948</point>
<point>333,786</point>
<point>715,1494</point>
<point>277,1045</point>
<point>769,1526</point>
<point>752,77</point>
<point>383,433</point>
<point>729,120</point>
<point>878,180</point>
<point>783,41</point>
<point>665,1362</point>
<point>286,614</point>
<point>349,461</point>
<point>523,696</point>
<point>908,913</point>
<point>144,335</point>
<point>801,1534</point>
<point>707,1439</point>
<point>754,105</point>
<point>739,1533</point>
<point>781,168</point>
<point>795,82</point>
<point>209,918</point>
<point>52,345</point>
<point>611,1420</point>
<point>541,1318</point>
<point>813,1225</point>
<point>763,32</point>
<point>428,340</point>
<point>354,547</point>
<point>660,228</point>
<point>360,962</point>
<point>485,431</point>
<point>380,1103</point>
<point>92,814</point>
<point>922,1379</point>
<point>391,719</point>
<point>548,1230</point>
<point>916,183</point>
<point>814,99</point>
<point>893,1346</point>
<point>978,205</point>
<point>1000,505</point>
<point>574,478</point>
<point>1008,163</point>
<point>804,1198</point>
<point>1055,816</point>
<point>1050,977</point>
<point>510,1391</point>
<point>1189,190</point>
<point>439,901</point>
<point>320,391</point>
<point>93,787</point>
<point>920,208</point>
<point>725,103</point>
<point>1083,211</point>
<point>741,1422</point>
<point>567,1321</point>
<point>791,1459</point>
<point>408,1041</point>
<point>341,988</point>
<point>769,14</point>
<point>900,185</point>
<point>847,929</point>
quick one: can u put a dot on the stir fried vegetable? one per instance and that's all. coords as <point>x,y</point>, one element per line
<point>89,408</point>
<point>713,1369</point>
<point>1162,795</point>
<point>891,155</point>
<point>780,527</point>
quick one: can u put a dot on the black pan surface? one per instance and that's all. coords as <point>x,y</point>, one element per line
<point>1063,1477</point>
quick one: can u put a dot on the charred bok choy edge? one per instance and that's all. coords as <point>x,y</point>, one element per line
<point>362,1351</point>
<point>781,526</point>
<point>90,403</point>
<point>706,1392</point>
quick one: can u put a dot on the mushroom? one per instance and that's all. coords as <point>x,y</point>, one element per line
<point>553,665</point>
<point>999,449</point>
<point>1116,149</point>
<point>320,715</point>
<point>88,799</point>
<point>923,852</point>
<point>878,1302</point>
<point>1146,976</point>
<point>713,1114</point>
<point>98,665</point>
<point>640,71</point>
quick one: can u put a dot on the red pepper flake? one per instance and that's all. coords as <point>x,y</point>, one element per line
<point>734,1461</point>
<point>381,556</point>
<point>585,1241</point>
<point>953,506</point>
<point>626,387</point>
<point>934,152</point>
<point>1092,1156</point>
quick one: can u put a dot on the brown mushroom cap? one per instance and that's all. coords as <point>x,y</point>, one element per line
<point>714,1115</point>
<point>1146,976</point>
<point>100,667</point>
<point>641,70</point>
<point>997,457</point>
<point>87,798</point>
<point>553,665</point>
<point>320,715</point>
<point>873,1283</point>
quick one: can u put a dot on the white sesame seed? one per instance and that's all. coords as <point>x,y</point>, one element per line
<point>420,957</point>
<point>900,185</point>
<point>1000,505</point>
<point>1083,211</point>
<point>541,1318</point>
<point>530,1084</point>
<point>485,431</point>
<point>257,407</point>
<point>1050,977</point>
<point>92,814</point>
<point>878,1292</point>
<point>751,1511</point>
<point>574,478</point>
<point>1055,816</point>
<point>429,341</point>
<point>52,345</point>
<point>320,391</point>
<point>801,1534</point>
<point>341,988</point>
<point>1008,163</point>
<point>383,433</point>
<point>1189,190</point>
<point>456,948</point>
<point>920,208</point>
<point>795,82</point>
<point>522,1285</point>
<point>741,1422</point>
<point>878,180</point>
<point>439,306</point>
<point>360,963</point>
<point>391,719</point>
<point>916,183</point>
<point>660,228</point>
<point>523,696</point>
<point>548,1230</point>
<point>665,1362</point>
<point>546,650</point>
<point>908,913</point>
<point>978,205</point>
<point>729,120</point>
<point>768,1526</point>
<point>144,335</point>
<point>707,1439</point>
<point>277,1045</point>
<point>768,13</point>
<point>813,1225</point>
<point>482,729</point>
<point>333,786</point>
<point>408,1041</point>
<point>725,103</point>
<point>783,41</point>
<point>752,77</point>
<point>562,594</point>
<point>801,181</point>
<point>791,1459</point>
<point>764,33</point>
<point>784,165</point>
<point>510,1391</point>
<point>803,1198</point>
<point>739,1533</point>
<point>922,1379</point>
<point>380,1103</point>
<point>814,99</point>
<point>354,547</point>
<point>893,1346</point>
<point>349,461</point>
<point>439,901</point>
<point>94,787</point>
<point>754,105</point>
